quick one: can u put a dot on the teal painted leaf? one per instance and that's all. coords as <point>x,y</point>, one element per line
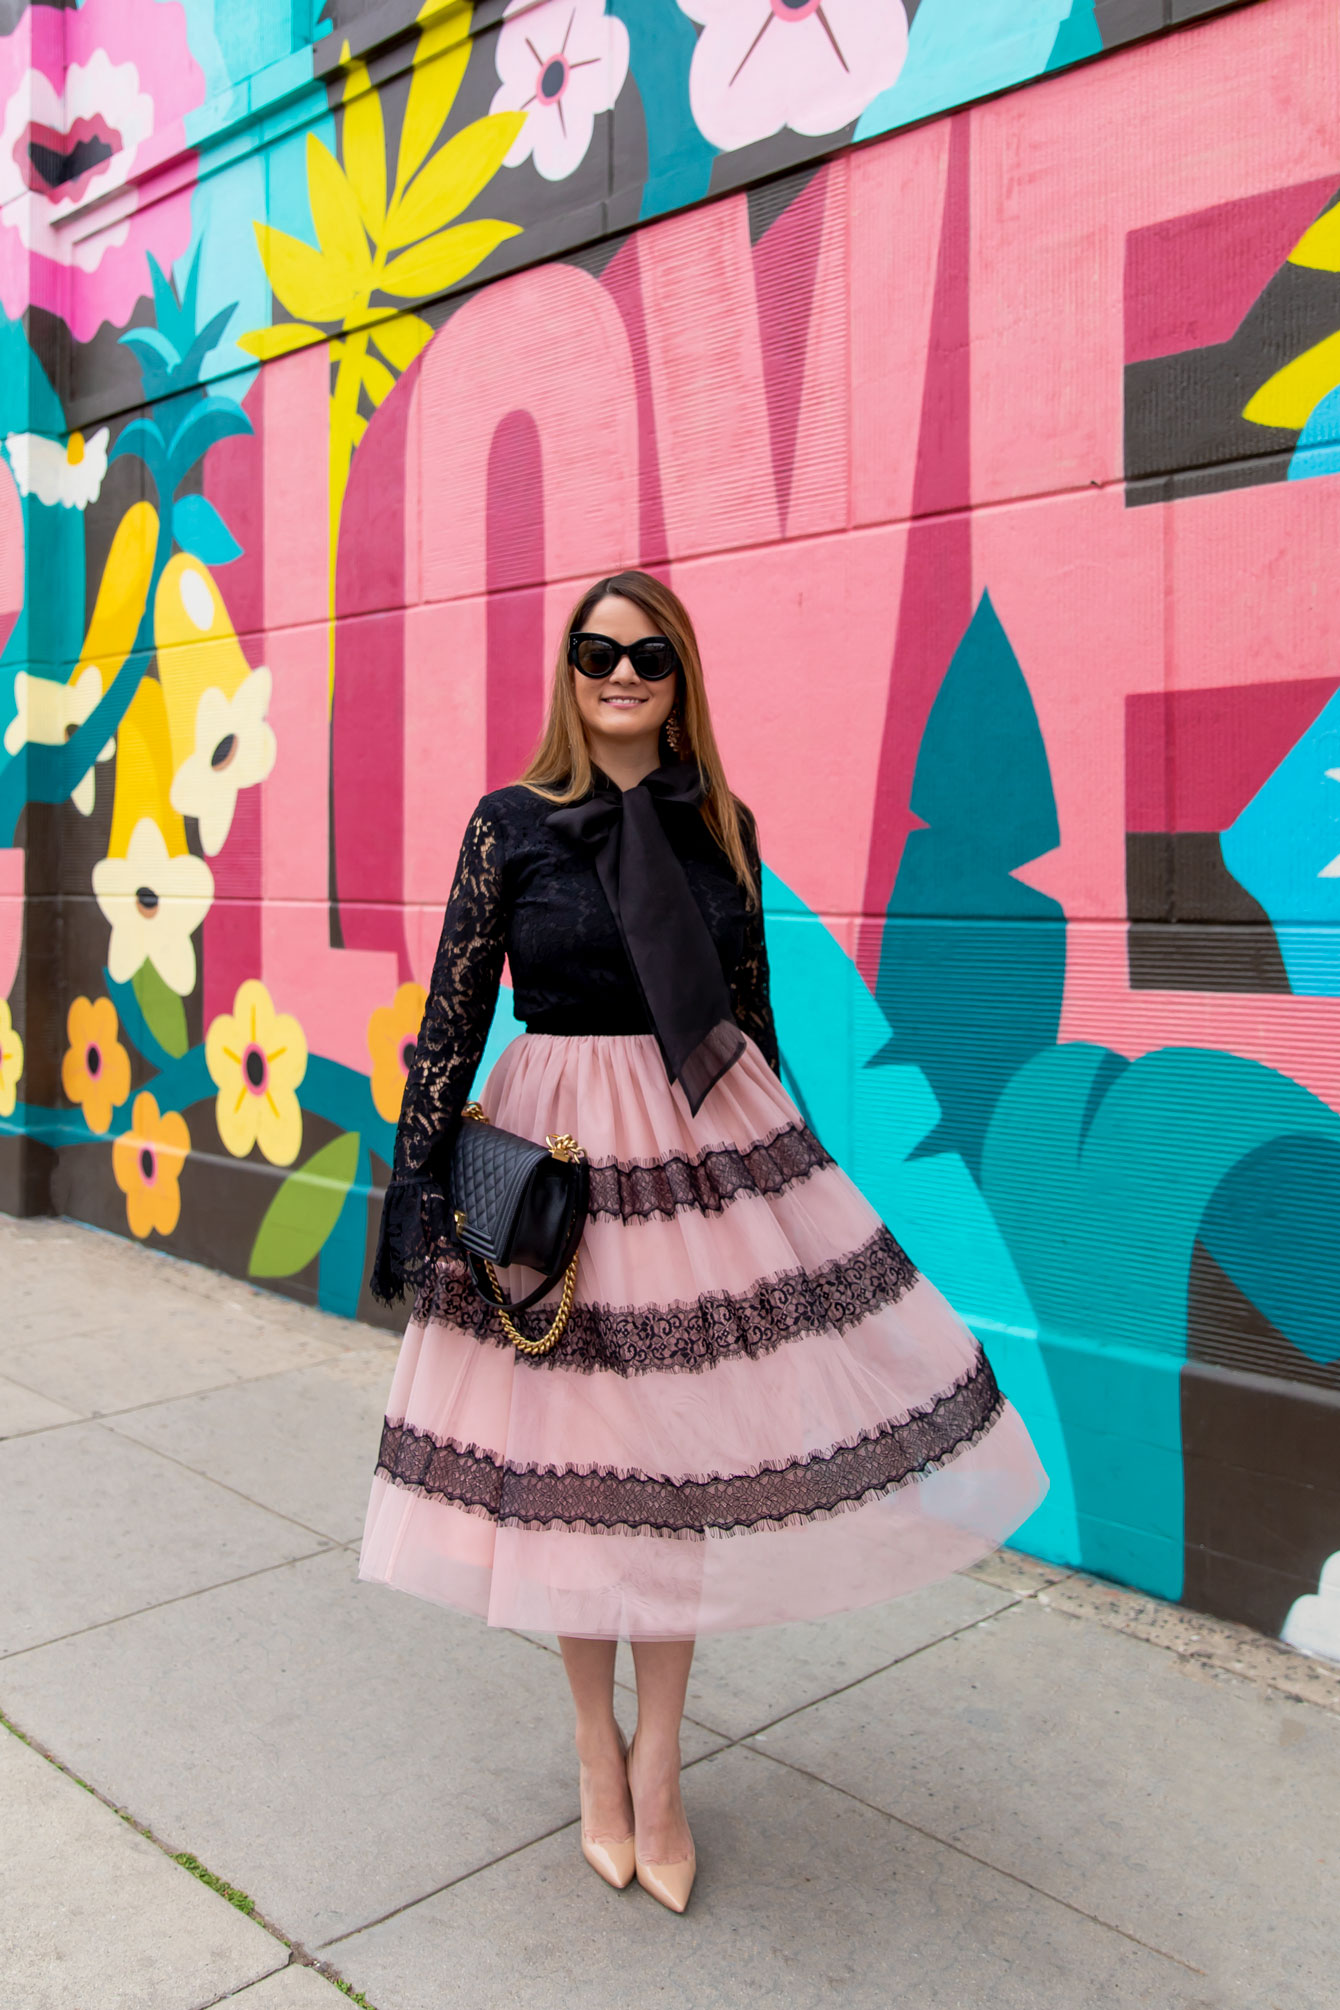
<point>209,338</point>
<point>199,529</point>
<point>143,439</point>
<point>972,965</point>
<point>156,357</point>
<point>190,292</point>
<point>212,419</point>
<point>167,310</point>
<point>164,1012</point>
<point>305,1210</point>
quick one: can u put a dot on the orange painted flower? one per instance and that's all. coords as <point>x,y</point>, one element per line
<point>95,1073</point>
<point>147,1161</point>
<point>392,1032</point>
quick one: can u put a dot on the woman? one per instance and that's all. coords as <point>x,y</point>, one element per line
<point>758,1410</point>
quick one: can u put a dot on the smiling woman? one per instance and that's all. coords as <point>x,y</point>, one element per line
<point>754,1409</point>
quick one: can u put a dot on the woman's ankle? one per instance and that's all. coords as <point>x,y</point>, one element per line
<point>599,1740</point>
<point>656,1755</point>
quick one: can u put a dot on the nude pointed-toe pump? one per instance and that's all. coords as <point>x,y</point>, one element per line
<point>670,1883</point>
<point>614,1861</point>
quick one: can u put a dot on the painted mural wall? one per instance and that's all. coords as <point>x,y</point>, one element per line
<point>999,462</point>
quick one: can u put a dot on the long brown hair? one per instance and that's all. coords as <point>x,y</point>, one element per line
<point>560,768</point>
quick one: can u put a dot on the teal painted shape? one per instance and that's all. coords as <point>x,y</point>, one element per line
<point>661,41</point>
<point>503,1029</point>
<point>344,1098</point>
<point>328,1089</point>
<point>343,1256</point>
<point>1077,37</point>
<point>1318,449</point>
<point>972,964</point>
<point>875,1120</point>
<point>45,638</point>
<point>1100,1185</point>
<point>49,1127</point>
<point>225,93</point>
<point>959,50</point>
<point>250,51</point>
<point>1122,1412</point>
<point>1099,1173</point>
<point>1272,1227</point>
<point>179,1085</point>
<point>230,270</point>
<point>1285,849</point>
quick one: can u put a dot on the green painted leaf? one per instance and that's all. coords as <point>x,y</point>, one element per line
<point>164,1012</point>
<point>305,1210</point>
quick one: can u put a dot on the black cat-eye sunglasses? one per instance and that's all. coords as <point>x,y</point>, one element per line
<point>598,655</point>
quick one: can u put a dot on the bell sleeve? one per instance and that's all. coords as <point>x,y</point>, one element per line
<point>750,989</point>
<point>455,1026</point>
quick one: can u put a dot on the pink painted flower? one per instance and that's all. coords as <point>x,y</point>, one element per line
<point>90,100</point>
<point>560,64</point>
<point>813,65</point>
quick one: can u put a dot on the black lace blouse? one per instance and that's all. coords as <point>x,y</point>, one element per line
<point>525,891</point>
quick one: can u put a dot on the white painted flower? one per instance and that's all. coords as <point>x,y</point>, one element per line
<point>812,65</point>
<point>71,474</point>
<point>1313,1624</point>
<point>47,714</point>
<point>94,126</point>
<point>560,63</point>
<point>234,747</point>
<point>154,903</point>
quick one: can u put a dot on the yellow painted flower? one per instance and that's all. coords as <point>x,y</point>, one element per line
<point>11,1062</point>
<point>392,1032</point>
<point>257,1056</point>
<point>147,1161</point>
<point>95,1072</point>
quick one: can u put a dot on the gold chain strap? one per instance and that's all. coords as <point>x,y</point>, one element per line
<point>561,1147</point>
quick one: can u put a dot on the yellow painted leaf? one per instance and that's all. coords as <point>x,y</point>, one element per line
<point>144,773</point>
<point>1292,394</point>
<point>280,340</point>
<point>377,379</point>
<point>440,261</point>
<point>1319,246</point>
<point>439,64</point>
<point>401,340</point>
<point>365,147</point>
<point>335,213</point>
<point>453,177</point>
<point>308,284</point>
<point>122,593</point>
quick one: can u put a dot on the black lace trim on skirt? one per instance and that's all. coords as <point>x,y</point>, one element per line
<point>638,1190</point>
<point>605,1500</point>
<point>698,1332</point>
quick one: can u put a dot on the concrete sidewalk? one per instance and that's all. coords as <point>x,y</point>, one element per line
<point>1023,1789</point>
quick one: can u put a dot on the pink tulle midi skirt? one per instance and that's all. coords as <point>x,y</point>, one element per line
<point>759,1410</point>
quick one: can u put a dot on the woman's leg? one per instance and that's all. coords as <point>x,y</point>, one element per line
<point>590,1667</point>
<point>653,1773</point>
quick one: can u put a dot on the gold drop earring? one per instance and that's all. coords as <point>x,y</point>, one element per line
<point>674,731</point>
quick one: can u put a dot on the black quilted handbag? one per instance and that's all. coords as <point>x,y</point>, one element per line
<point>512,1201</point>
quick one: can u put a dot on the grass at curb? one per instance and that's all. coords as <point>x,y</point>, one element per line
<point>225,1890</point>
<point>354,1995</point>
